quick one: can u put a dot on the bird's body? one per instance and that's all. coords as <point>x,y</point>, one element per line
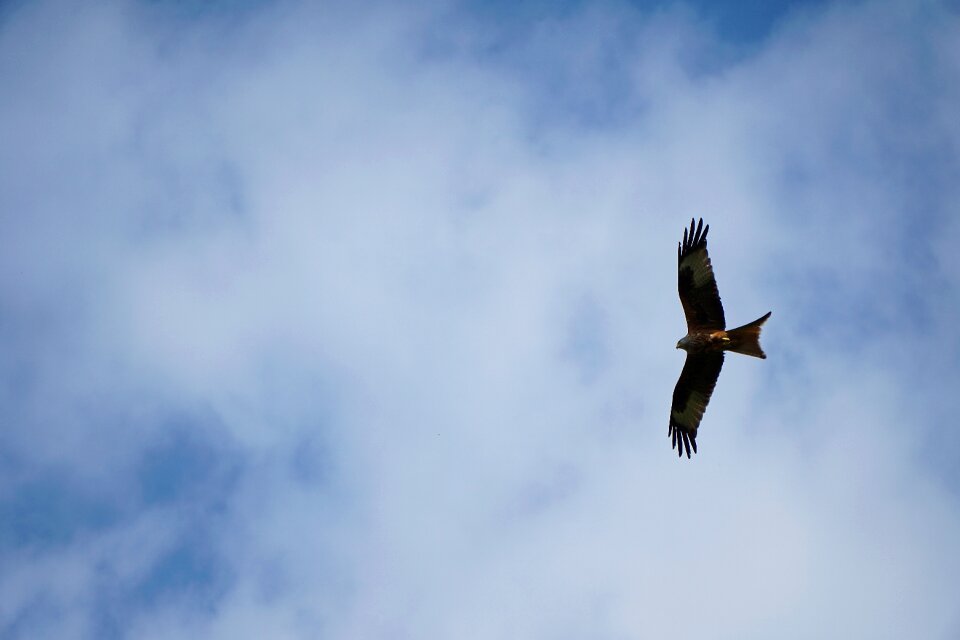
<point>706,340</point>
<point>702,342</point>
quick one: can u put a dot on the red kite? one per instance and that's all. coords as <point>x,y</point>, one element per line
<point>706,338</point>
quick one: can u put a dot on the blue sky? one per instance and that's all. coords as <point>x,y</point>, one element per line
<point>341,321</point>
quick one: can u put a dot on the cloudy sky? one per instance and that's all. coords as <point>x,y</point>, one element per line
<point>357,320</point>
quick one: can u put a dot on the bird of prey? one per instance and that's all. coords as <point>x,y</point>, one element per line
<point>706,339</point>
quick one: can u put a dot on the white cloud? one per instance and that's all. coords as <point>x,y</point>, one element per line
<point>425,286</point>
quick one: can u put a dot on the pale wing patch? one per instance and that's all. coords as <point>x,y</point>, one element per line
<point>702,271</point>
<point>692,414</point>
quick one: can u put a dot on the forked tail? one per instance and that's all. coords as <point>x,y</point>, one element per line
<point>746,339</point>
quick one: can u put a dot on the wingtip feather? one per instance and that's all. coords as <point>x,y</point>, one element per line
<point>695,236</point>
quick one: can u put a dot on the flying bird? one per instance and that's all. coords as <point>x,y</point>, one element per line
<point>706,338</point>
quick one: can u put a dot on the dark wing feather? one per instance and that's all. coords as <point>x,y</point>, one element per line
<point>698,287</point>
<point>690,398</point>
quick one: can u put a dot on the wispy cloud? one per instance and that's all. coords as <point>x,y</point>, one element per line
<point>330,322</point>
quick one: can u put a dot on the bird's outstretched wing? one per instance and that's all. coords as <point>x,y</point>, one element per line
<point>690,398</point>
<point>698,287</point>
